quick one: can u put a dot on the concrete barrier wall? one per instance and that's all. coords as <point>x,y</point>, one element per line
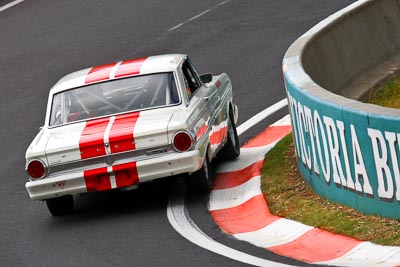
<point>348,151</point>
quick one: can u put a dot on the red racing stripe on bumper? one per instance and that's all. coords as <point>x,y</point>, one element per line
<point>100,179</point>
<point>97,179</point>
<point>126,174</point>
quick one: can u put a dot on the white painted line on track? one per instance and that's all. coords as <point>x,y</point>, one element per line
<point>198,15</point>
<point>224,2</point>
<point>261,115</point>
<point>176,27</point>
<point>9,5</point>
<point>182,223</point>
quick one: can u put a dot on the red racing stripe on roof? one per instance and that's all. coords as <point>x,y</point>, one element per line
<point>91,142</point>
<point>316,245</point>
<point>129,67</point>
<point>99,73</point>
<point>249,216</point>
<point>121,136</point>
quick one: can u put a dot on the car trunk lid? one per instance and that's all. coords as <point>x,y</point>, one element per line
<point>105,136</point>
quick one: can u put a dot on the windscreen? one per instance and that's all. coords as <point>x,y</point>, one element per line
<point>113,97</point>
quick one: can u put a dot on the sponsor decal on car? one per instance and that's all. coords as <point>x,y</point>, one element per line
<point>61,184</point>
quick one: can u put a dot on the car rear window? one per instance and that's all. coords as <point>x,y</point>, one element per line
<point>113,97</point>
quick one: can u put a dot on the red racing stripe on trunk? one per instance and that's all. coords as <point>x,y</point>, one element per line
<point>316,245</point>
<point>236,178</point>
<point>91,142</point>
<point>249,216</point>
<point>126,174</point>
<point>269,136</point>
<point>100,73</point>
<point>121,136</point>
<point>129,67</point>
<point>97,179</point>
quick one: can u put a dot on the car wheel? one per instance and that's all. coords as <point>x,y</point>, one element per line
<point>60,205</point>
<point>201,180</point>
<point>231,149</point>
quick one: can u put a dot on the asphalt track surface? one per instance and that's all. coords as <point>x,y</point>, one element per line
<point>40,41</point>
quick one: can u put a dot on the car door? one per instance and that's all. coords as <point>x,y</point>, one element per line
<point>206,100</point>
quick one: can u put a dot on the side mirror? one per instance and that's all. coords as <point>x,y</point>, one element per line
<point>206,78</point>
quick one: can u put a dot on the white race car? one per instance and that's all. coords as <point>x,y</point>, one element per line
<point>121,124</point>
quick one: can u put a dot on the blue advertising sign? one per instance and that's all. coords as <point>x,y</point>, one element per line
<point>346,155</point>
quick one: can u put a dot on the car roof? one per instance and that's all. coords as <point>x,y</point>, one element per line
<point>117,70</point>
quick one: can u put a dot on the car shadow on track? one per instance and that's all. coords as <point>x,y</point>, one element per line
<point>152,196</point>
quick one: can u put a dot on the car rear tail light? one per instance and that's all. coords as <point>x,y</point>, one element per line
<point>182,141</point>
<point>36,169</point>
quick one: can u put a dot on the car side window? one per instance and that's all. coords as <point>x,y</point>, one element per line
<point>191,81</point>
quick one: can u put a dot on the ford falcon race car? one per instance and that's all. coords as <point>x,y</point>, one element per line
<point>125,123</point>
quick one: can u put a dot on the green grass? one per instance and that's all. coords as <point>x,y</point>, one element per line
<point>289,196</point>
<point>387,96</point>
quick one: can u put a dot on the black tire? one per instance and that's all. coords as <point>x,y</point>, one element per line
<point>60,205</point>
<point>231,149</point>
<point>201,180</point>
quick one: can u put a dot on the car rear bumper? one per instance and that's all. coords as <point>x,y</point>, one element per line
<point>119,176</point>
